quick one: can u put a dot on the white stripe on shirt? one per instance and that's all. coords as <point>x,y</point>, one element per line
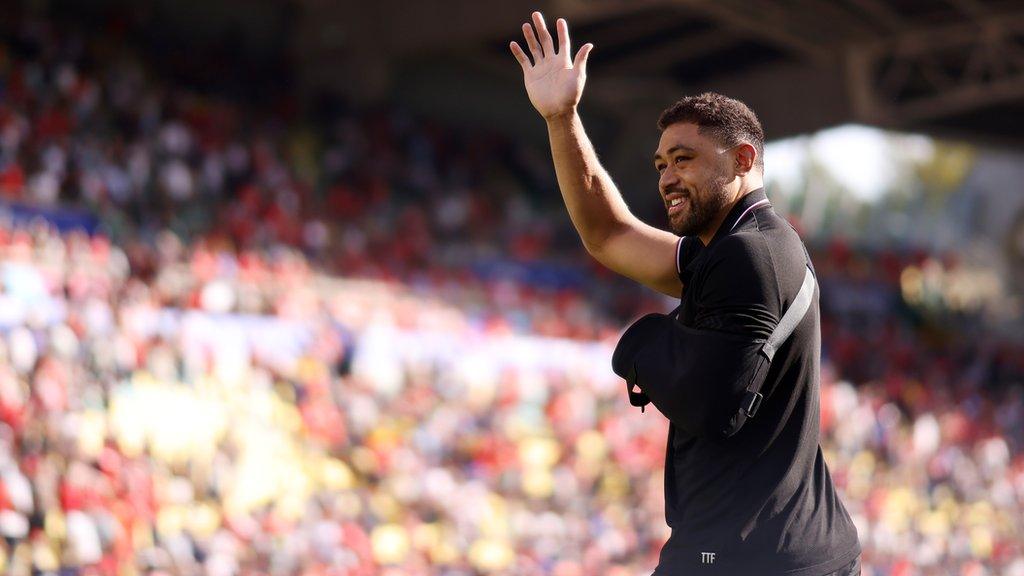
<point>740,219</point>
<point>679,245</point>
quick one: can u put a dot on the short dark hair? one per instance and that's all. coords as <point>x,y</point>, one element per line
<point>728,119</point>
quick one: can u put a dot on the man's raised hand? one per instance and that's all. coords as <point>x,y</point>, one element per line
<point>553,81</point>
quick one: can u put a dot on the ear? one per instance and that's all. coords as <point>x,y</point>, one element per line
<point>746,157</point>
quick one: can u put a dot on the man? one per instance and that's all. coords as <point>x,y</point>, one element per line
<point>735,368</point>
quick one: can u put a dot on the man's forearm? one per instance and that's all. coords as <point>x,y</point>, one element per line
<point>594,203</point>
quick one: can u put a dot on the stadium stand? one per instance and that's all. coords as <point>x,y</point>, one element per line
<point>234,345</point>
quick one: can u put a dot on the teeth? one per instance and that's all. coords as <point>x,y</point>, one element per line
<point>675,201</point>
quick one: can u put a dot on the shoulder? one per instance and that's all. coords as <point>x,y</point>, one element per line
<point>766,246</point>
<point>741,252</point>
<point>741,272</point>
<point>741,263</point>
<point>739,293</point>
<point>778,234</point>
<point>787,251</point>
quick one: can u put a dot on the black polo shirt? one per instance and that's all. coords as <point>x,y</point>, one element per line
<point>761,500</point>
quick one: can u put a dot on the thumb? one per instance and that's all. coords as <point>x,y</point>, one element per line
<point>580,62</point>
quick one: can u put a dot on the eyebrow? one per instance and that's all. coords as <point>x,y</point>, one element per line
<point>675,148</point>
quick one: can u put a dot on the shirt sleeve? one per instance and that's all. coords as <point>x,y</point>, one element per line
<point>687,249</point>
<point>739,293</point>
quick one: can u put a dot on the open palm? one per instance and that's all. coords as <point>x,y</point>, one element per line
<point>554,83</point>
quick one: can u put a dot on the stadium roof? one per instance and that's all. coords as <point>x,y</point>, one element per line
<point>942,66</point>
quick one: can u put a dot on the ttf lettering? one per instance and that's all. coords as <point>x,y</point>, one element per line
<point>707,557</point>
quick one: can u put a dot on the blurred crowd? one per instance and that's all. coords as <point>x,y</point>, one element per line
<point>392,197</point>
<point>361,348</point>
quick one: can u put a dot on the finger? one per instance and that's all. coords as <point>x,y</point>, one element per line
<point>531,41</point>
<point>563,37</point>
<point>524,61</point>
<point>542,33</point>
<point>581,58</point>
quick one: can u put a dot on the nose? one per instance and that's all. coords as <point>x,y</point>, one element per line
<point>667,179</point>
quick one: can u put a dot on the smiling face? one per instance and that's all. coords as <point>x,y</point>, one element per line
<point>696,172</point>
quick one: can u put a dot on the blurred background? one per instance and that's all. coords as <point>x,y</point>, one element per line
<point>288,287</point>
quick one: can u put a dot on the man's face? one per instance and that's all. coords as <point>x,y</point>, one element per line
<point>694,173</point>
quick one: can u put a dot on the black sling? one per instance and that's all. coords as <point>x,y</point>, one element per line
<point>752,396</point>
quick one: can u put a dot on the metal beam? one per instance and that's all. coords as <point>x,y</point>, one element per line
<point>759,24</point>
<point>961,99</point>
<point>924,74</point>
<point>830,18</point>
<point>399,28</point>
<point>882,13</point>
<point>682,50</point>
<point>923,40</point>
<point>972,8</point>
<point>623,90</point>
<point>624,28</point>
<point>861,83</point>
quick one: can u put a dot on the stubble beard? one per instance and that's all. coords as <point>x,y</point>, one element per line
<point>704,206</point>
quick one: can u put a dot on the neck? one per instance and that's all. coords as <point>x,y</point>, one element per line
<point>746,186</point>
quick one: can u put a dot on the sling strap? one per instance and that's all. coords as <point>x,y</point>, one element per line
<point>796,312</point>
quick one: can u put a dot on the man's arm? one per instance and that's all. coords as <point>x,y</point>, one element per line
<point>609,231</point>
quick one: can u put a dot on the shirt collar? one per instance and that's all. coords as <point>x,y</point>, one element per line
<point>741,211</point>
